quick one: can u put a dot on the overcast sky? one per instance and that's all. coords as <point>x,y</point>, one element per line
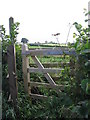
<point>39,19</point>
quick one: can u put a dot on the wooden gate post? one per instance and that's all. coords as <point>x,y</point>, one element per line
<point>25,65</point>
<point>11,58</point>
<point>12,72</point>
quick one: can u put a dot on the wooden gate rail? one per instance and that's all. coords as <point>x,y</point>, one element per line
<point>50,51</point>
<point>37,84</point>
<point>50,65</point>
<point>45,71</point>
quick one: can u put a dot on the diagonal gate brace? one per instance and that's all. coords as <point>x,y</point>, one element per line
<point>47,76</point>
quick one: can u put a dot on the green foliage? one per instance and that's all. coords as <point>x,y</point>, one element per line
<point>72,102</point>
<point>14,32</point>
<point>7,109</point>
<point>7,40</point>
<point>84,84</point>
<point>18,62</point>
<point>82,47</point>
<point>82,40</point>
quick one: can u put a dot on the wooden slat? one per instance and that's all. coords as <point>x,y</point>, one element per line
<point>44,70</point>
<point>46,52</point>
<point>47,76</point>
<point>37,84</point>
<point>55,64</point>
<point>55,78</point>
<point>37,96</point>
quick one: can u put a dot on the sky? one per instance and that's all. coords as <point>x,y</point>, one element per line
<point>39,19</point>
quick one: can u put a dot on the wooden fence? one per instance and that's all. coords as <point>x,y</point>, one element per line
<point>40,67</point>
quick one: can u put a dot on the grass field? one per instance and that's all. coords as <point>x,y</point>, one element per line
<point>41,45</point>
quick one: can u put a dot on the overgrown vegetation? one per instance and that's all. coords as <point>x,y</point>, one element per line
<point>72,102</point>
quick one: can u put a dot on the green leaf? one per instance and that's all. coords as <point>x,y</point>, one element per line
<point>74,35</point>
<point>86,20</point>
<point>87,13</point>
<point>88,89</point>
<point>84,84</point>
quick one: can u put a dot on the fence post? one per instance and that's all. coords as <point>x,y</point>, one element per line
<point>25,65</point>
<point>12,72</point>
<point>11,58</point>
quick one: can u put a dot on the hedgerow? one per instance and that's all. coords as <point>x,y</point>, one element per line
<point>71,103</point>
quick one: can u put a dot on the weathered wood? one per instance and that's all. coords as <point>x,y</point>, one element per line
<point>37,84</point>
<point>11,21</point>
<point>37,96</point>
<point>55,78</point>
<point>25,65</point>
<point>44,70</point>
<point>46,52</point>
<point>12,71</point>
<point>48,77</point>
<point>55,64</point>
